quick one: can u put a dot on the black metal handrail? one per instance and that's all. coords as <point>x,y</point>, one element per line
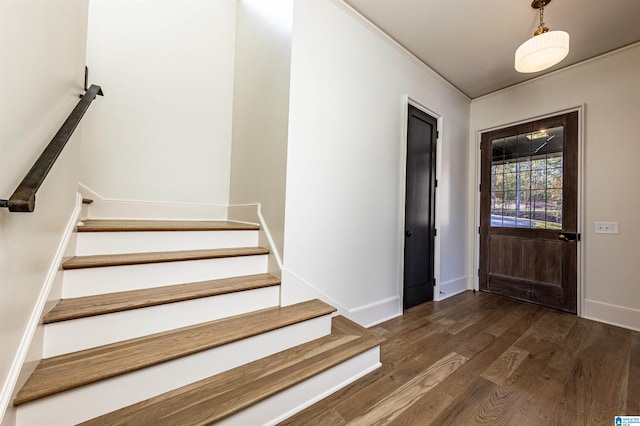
<point>24,197</point>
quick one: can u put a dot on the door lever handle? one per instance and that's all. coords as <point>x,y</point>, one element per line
<point>569,236</point>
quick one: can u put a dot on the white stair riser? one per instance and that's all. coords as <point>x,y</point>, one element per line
<point>111,279</point>
<point>90,243</point>
<point>288,402</point>
<point>83,333</point>
<point>99,398</point>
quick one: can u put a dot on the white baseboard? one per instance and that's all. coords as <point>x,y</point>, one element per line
<point>452,287</point>
<point>252,213</point>
<point>612,314</point>
<point>103,208</point>
<point>295,290</point>
<point>244,213</point>
<point>38,310</point>
<point>377,312</point>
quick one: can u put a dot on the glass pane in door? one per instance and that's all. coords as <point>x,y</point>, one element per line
<point>526,180</point>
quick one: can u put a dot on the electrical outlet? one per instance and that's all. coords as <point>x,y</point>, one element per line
<point>607,228</point>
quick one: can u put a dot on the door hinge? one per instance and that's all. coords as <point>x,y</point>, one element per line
<point>478,272</point>
<point>480,188</point>
<point>437,134</point>
<point>435,232</point>
<point>436,183</point>
<point>478,229</point>
<point>434,281</point>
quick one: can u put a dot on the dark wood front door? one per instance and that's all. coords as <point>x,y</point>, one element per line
<point>420,208</point>
<point>529,212</point>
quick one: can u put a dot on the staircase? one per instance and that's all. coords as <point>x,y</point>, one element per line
<point>173,322</point>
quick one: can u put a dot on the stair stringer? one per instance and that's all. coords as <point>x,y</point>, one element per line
<point>30,349</point>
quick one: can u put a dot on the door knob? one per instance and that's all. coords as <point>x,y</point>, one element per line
<point>408,233</point>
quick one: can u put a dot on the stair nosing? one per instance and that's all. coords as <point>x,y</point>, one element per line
<point>88,306</point>
<point>100,358</point>
<point>212,387</point>
<point>100,226</point>
<point>126,259</point>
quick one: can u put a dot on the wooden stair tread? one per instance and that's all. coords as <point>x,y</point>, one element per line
<point>81,307</point>
<point>162,225</point>
<point>96,261</point>
<point>219,396</point>
<point>64,372</point>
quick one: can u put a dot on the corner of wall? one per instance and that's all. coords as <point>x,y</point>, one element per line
<point>612,314</point>
<point>295,290</point>
<point>452,287</point>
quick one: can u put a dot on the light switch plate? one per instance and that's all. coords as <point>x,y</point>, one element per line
<point>607,228</point>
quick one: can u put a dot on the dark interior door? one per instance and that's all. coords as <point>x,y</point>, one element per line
<point>420,208</point>
<point>529,212</point>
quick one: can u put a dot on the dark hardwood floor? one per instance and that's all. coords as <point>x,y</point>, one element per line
<point>477,358</point>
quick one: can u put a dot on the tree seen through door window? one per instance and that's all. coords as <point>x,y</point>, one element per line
<point>526,180</point>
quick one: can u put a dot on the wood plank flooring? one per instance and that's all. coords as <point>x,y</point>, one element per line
<point>481,359</point>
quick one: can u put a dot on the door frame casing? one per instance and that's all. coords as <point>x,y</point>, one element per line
<point>580,228</point>
<point>406,101</point>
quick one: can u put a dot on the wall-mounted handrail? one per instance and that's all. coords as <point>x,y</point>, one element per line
<point>24,197</point>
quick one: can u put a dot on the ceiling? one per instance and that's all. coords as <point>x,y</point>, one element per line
<point>471,43</point>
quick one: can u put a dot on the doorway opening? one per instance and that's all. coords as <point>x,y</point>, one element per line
<point>529,212</point>
<point>420,199</point>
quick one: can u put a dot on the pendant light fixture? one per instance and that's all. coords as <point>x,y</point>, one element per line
<point>545,49</point>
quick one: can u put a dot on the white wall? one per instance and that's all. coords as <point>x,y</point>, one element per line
<point>261,109</point>
<point>344,172</point>
<point>163,132</point>
<point>42,47</point>
<point>609,87</point>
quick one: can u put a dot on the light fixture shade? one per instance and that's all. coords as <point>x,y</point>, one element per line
<point>542,51</point>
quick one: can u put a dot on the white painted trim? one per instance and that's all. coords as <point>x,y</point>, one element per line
<point>119,209</point>
<point>612,314</point>
<point>252,214</point>
<point>243,213</point>
<point>397,46</point>
<point>296,290</point>
<point>376,312</point>
<point>581,225</point>
<point>406,101</point>
<point>580,109</point>
<point>36,314</point>
<point>453,287</point>
<point>561,70</point>
<point>272,245</point>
